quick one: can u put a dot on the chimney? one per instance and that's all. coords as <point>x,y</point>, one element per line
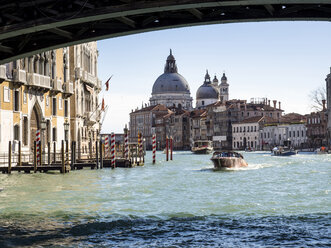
<point>245,105</point>
<point>323,102</point>
<point>269,102</point>
<point>266,101</point>
<point>279,105</point>
<point>275,102</point>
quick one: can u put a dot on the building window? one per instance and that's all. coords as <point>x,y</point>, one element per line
<point>298,133</point>
<point>16,132</point>
<point>289,134</point>
<point>203,102</point>
<point>6,94</point>
<point>66,108</point>
<point>60,103</point>
<point>54,109</point>
<point>54,134</point>
<point>254,128</point>
<point>25,131</point>
<point>293,133</point>
<point>16,100</point>
<point>302,133</point>
<point>25,97</point>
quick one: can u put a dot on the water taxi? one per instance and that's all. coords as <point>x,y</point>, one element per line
<point>202,147</point>
<point>228,159</point>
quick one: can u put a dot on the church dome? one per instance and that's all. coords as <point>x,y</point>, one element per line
<point>207,90</point>
<point>170,81</point>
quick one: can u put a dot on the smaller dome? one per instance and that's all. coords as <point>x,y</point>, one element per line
<point>207,92</point>
<point>224,77</point>
<point>215,80</point>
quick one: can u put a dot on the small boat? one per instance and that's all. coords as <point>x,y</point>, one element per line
<point>321,150</point>
<point>283,151</point>
<point>228,159</point>
<point>202,147</point>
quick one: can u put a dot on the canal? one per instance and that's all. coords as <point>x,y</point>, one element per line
<point>275,202</point>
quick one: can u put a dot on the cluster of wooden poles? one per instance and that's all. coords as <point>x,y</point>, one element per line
<point>169,148</point>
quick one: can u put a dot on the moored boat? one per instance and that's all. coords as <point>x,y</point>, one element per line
<point>202,147</point>
<point>228,159</point>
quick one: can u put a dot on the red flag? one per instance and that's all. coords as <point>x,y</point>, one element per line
<point>103,104</point>
<point>107,83</point>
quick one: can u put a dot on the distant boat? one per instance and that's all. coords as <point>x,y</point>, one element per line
<point>283,151</point>
<point>228,159</point>
<point>202,147</point>
<point>321,150</point>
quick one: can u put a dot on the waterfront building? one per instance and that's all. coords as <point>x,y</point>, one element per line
<point>292,127</point>
<point>171,89</point>
<point>198,129</point>
<point>55,92</point>
<point>218,125</point>
<point>317,128</point>
<point>34,95</point>
<point>85,109</point>
<point>207,93</point>
<point>178,127</point>
<point>328,102</point>
<point>147,120</point>
<point>245,134</point>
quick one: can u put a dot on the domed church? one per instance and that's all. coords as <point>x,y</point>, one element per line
<point>207,93</point>
<point>171,88</point>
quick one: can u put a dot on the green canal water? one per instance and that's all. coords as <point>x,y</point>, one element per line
<point>275,202</point>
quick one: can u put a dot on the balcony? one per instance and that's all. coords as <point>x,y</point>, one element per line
<point>86,77</point>
<point>39,81</point>
<point>2,73</point>
<point>19,76</point>
<point>56,85</point>
<point>68,89</point>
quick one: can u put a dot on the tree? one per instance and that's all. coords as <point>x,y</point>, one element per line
<point>316,96</point>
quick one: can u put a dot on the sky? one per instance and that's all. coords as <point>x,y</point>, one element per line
<point>283,61</point>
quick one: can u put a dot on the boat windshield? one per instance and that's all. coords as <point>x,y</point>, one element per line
<point>229,155</point>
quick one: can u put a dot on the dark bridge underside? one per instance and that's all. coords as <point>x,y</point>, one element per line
<point>29,27</point>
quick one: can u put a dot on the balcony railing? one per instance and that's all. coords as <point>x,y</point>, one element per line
<point>86,77</point>
<point>56,85</point>
<point>69,88</point>
<point>19,76</point>
<point>40,81</point>
<point>2,73</point>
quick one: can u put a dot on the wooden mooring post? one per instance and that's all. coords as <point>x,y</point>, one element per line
<point>54,152</point>
<point>19,154</point>
<point>67,155</point>
<point>97,154</point>
<point>35,156</point>
<point>72,164</point>
<point>167,149</point>
<point>9,157</point>
<point>62,157</point>
<point>171,147</point>
<point>49,153</point>
<point>101,154</point>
